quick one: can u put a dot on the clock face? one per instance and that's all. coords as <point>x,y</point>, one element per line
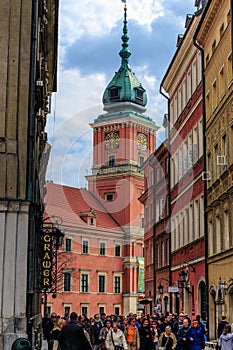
<point>112,140</point>
<point>142,142</point>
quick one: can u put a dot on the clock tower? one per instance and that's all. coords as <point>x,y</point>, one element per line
<point>123,137</point>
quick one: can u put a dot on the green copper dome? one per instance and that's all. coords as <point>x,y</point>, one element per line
<point>125,86</point>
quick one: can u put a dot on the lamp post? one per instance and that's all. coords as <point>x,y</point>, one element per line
<point>182,282</point>
<point>160,290</point>
<point>160,287</point>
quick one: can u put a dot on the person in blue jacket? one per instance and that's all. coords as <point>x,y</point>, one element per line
<point>196,336</point>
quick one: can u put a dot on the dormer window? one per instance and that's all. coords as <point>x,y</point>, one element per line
<point>139,94</point>
<point>109,197</point>
<point>88,217</point>
<point>114,92</point>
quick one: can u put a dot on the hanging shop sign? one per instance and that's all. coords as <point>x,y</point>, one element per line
<point>46,260</point>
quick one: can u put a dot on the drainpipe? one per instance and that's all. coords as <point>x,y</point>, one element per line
<point>30,172</point>
<point>169,189</point>
<point>205,167</point>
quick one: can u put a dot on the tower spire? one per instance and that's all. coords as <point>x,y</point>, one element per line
<point>125,53</point>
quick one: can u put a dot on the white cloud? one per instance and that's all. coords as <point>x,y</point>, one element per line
<point>79,97</point>
<point>96,17</point>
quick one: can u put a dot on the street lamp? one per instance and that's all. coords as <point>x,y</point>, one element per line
<point>160,288</point>
<point>221,289</point>
<point>58,235</point>
<point>182,282</point>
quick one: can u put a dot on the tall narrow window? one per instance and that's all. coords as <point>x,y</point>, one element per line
<point>226,229</point>
<point>207,105</point>
<point>200,139</point>
<point>181,224</point>
<point>84,310</point>
<point>112,160</point>
<point>210,238</point>
<point>117,284</point>
<point>224,154</point>
<point>194,76</point>
<point>68,245</point>
<point>66,310</point>
<point>196,219</point>
<point>116,310</point>
<point>199,68</point>
<point>202,216</point>
<point>186,235</point>
<point>184,97</point>
<point>229,65</point>
<point>66,282</point>
<point>85,247</point>
<point>163,254</point>
<point>117,250</point>
<point>218,233</point>
<point>158,256</point>
<point>101,284</point>
<point>214,97</point>
<point>189,85</point>
<point>141,161</point>
<point>191,223</point>
<point>142,222</point>
<point>101,309</point>
<point>216,162</point>
<point>102,248</point>
<point>168,251</point>
<point>221,83</point>
<point>84,283</point>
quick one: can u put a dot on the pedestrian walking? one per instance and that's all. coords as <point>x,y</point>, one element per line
<point>195,336</point>
<point>182,341</point>
<point>145,333</point>
<point>155,334</point>
<point>95,331</point>
<point>115,339</point>
<point>104,332</point>
<point>49,325</point>
<point>72,336</point>
<point>221,325</point>
<point>132,335</point>
<point>167,339</point>
<point>225,341</point>
<point>55,332</point>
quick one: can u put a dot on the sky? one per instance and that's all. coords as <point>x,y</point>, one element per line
<point>89,42</point>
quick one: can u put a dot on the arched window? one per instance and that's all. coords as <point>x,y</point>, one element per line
<point>203,300</point>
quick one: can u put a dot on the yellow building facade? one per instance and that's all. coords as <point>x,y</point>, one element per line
<point>214,36</point>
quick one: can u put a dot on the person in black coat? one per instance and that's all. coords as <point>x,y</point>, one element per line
<point>221,325</point>
<point>146,336</point>
<point>72,336</point>
<point>182,342</point>
<point>48,327</point>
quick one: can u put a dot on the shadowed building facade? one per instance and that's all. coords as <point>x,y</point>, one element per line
<point>28,59</point>
<point>183,84</point>
<point>214,37</point>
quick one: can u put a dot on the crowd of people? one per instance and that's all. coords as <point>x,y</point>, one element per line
<point>157,332</point>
